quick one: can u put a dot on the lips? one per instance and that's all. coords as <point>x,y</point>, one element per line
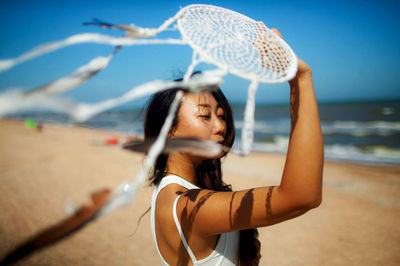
<point>221,142</point>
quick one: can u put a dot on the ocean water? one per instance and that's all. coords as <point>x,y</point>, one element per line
<point>366,132</point>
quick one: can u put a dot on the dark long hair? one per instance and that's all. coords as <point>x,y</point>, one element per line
<point>208,173</point>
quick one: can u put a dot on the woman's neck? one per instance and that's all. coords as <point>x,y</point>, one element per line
<point>183,166</point>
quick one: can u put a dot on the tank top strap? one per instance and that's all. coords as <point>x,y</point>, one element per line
<point>178,226</point>
<point>174,179</point>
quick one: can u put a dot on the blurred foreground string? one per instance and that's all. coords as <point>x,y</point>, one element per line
<point>81,75</point>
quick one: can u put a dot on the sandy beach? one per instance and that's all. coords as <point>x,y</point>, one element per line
<point>42,172</point>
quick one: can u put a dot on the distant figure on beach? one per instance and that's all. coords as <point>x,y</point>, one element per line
<point>196,218</point>
<point>30,123</point>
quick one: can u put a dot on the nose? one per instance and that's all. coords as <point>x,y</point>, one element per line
<point>219,126</point>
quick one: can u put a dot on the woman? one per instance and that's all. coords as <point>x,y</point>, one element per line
<point>196,218</point>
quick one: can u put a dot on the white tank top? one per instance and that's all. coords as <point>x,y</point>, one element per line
<point>227,248</point>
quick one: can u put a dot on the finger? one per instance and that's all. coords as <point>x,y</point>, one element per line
<point>277,32</point>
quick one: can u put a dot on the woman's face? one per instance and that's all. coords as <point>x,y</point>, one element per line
<point>200,116</point>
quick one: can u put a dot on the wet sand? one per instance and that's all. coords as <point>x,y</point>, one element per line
<point>40,172</point>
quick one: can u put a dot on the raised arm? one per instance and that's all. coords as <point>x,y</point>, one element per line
<point>301,185</point>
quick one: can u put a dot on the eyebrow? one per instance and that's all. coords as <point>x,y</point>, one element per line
<point>204,105</point>
<point>208,105</point>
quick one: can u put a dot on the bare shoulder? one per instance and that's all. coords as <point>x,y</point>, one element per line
<point>166,199</point>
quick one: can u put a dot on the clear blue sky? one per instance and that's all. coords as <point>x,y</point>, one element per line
<point>353,47</point>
